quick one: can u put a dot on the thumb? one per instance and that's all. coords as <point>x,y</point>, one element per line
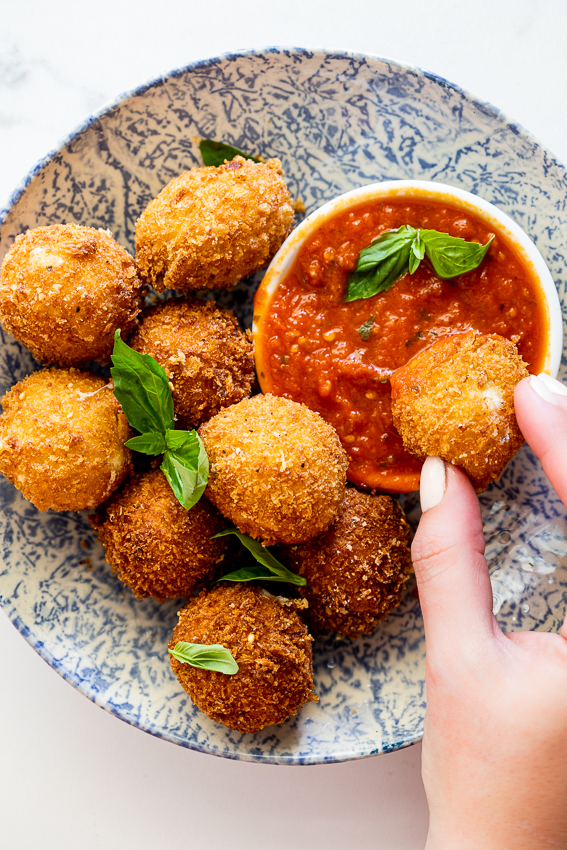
<point>448,558</point>
<point>541,410</point>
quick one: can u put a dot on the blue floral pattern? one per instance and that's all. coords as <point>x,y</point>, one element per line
<point>336,121</point>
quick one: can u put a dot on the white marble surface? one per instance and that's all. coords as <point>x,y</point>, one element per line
<point>70,775</point>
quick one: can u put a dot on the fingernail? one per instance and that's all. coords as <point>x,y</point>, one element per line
<point>556,387</point>
<point>432,483</point>
<point>541,389</point>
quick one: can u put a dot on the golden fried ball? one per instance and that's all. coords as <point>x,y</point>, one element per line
<point>207,358</point>
<point>210,227</point>
<point>269,643</point>
<point>154,545</point>
<point>277,470</point>
<point>357,569</point>
<point>65,289</point>
<point>455,400</point>
<point>62,438</point>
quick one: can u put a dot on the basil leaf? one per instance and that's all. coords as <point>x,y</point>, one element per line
<point>148,444</point>
<point>214,657</point>
<point>417,252</point>
<point>366,329</point>
<point>256,572</point>
<point>389,243</point>
<point>215,153</point>
<point>274,570</point>
<point>451,255</point>
<point>365,284</point>
<point>142,388</point>
<point>186,441</point>
<point>396,252</point>
<point>187,470</point>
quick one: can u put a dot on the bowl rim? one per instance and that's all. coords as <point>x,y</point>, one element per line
<point>7,204</point>
<point>438,192</point>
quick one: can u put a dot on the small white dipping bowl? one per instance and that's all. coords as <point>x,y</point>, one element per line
<point>440,193</point>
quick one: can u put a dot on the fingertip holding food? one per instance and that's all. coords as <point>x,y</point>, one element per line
<point>556,387</point>
<point>433,483</point>
<point>541,389</point>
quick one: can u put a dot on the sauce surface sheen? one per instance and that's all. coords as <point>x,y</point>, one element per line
<point>313,351</point>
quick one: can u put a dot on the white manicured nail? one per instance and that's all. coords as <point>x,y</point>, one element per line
<point>432,483</point>
<point>541,389</point>
<point>556,387</point>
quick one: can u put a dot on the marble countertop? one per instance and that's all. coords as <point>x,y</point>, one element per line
<point>71,775</point>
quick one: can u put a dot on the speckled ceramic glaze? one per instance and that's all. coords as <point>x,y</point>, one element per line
<point>336,121</point>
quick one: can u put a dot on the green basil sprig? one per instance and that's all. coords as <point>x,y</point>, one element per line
<point>214,657</point>
<point>396,252</point>
<point>215,153</point>
<point>142,388</point>
<point>268,569</point>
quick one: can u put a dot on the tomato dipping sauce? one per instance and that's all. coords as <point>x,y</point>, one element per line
<point>337,357</point>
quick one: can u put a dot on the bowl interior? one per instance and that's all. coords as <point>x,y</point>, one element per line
<point>337,121</point>
<point>439,192</point>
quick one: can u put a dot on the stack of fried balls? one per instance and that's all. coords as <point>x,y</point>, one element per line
<point>277,469</point>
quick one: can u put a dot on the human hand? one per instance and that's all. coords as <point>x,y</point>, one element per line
<point>494,757</point>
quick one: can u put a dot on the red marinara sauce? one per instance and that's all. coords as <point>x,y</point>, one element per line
<point>310,347</point>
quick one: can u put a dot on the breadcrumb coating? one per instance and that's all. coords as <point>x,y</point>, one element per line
<point>65,289</point>
<point>213,226</point>
<point>455,400</point>
<point>207,358</point>
<point>62,438</point>
<point>277,469</point>
<point>356,570</point>
<point>155,546</point>
<point>269,643</point>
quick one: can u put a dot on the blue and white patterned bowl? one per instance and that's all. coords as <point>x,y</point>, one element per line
<point>336,121</point>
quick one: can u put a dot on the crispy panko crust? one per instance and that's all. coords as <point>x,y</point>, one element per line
<point>455,400</point>
<point>154,545</point>
<point>277,470</point>
<point>357,569</point>
<point>269,643</point>
<point>213,226</point>
<point>65,289</point>
<point>207,358</point>
<point>62,440</point>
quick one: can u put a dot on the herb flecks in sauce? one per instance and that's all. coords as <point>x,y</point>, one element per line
<point>366,329</point>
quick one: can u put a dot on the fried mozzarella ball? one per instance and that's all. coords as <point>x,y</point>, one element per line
<point>62,438</point>
<point>268,641</point>
<point>455,400</point>
<point>64,291</point>
<point>357,569</point>
<point>277,469</point>
<point>208,359</point>
<point>155,546</point>
<point>213,226</point>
